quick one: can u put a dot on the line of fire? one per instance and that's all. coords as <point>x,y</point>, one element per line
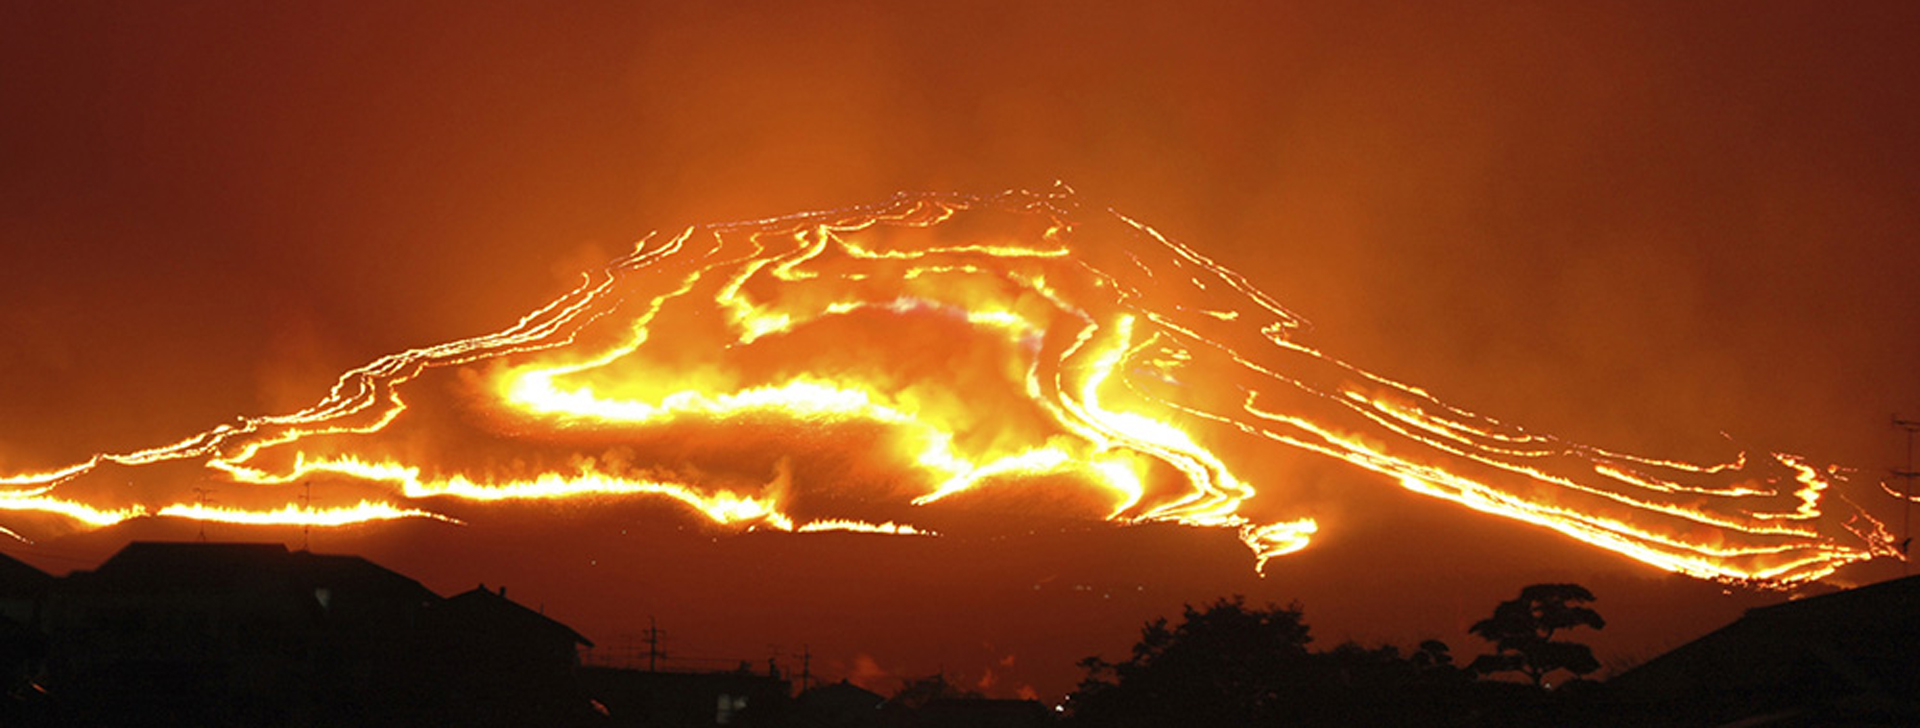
<point>891,368</point>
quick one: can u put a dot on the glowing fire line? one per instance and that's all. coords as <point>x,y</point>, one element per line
<point>1107,336</point>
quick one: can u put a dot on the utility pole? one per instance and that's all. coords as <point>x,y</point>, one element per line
<point>653,644</point>
<point>1906,494</point>
<point>806,667</point>
<point>200,496</point>
<point>306,527</point>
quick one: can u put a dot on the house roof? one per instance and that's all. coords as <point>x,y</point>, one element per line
<point>153,565</point>
<point>482,607</point>
<point>160,564</point>
<point>354,573</point>
<point>18,578</point>
<point>843,692</point>
<point>1858,641</point>
<point>1886,599</point>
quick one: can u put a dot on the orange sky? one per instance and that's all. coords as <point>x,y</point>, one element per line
<point>1621,225</point>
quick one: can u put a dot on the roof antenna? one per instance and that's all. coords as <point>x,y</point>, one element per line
<point>200,496</point>
<point>653,644</point>
<point>306,524</point>
<point>1906,494</point>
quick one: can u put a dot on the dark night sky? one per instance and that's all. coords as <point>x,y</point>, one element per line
<point>1638,225</point>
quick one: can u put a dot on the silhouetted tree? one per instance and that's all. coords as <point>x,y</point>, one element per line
<point>1434,672</point>
<point>1223,664</point>
<point>1523,629</point>
<point>916,693</point>
<point>1226,664</point>
<point>1432,655</point>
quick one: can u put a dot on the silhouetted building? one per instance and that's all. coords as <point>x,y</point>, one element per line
<point>22,588</point>
<point>230,634</point>
<point>1851,657</point>
<point>688,699</point>
<point>500,663</point>
<point>23,647</point>
<point>837,705</point>
<point>977,713</point>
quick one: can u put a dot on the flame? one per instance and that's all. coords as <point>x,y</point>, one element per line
<point>291,515</point>
<point>840,524</point>
<point>34,501</point>
<point>973,345</point>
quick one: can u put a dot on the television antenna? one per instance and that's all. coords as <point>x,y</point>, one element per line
<point>202,496</point>
<point>1906,494</point>
<point>306,525</point>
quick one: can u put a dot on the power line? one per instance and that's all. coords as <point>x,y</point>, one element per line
<point>806,666</point>
<point>625,650</point>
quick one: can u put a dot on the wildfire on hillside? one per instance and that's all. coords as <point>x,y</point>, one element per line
<point>859,369</point>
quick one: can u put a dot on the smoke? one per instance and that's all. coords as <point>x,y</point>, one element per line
<point>867,673</point>
<point>1633,225</point>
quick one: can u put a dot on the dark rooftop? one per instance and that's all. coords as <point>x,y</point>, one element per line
<point>480,605</point>
<point>152,565</point>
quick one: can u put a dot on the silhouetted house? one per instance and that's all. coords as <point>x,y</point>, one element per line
<point>1851,657</point>
<point>500,663</point>
<point>229,634</point>
<point>688,699</point>
<point>23,647</point>
<point>978,713</point>
<point>837,705</point>
<point>22,587</point>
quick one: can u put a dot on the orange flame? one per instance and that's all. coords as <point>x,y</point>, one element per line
<point>1123,363</point>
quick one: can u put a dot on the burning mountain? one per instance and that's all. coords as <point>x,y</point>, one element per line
<point>870,369</point>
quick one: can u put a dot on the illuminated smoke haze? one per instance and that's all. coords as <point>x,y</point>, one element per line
<point>1679,233</point>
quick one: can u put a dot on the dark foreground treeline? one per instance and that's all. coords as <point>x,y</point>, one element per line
<point>197,634</point>
<point>1848,658</point>
<point>1226,664</point>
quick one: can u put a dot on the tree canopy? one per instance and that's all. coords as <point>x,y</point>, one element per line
<point>1522,631</point>
<point>1221,663</point>
<point>1228,664</point>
